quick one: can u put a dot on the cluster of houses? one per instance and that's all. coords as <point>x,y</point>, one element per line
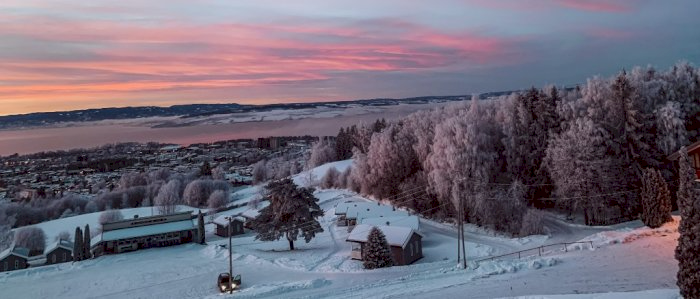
<point>401,230</point>
<point>115,237</point>
<point>16,258</point>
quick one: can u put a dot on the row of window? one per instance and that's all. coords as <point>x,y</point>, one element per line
<point>5,266</point>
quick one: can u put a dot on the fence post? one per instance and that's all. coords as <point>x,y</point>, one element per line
<point>565,248</point>
<point>539,250</point>
<point>518,254</point>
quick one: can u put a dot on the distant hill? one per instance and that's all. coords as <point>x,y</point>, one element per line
<point>196,110</point>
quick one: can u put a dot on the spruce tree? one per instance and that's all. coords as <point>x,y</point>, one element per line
<point>376,252</point>
<point>687,253</point>
<point>200,226</point>
<point>78,245</point>
<point>656,199</point>
<point>292,213</point>
<point>86,243</point>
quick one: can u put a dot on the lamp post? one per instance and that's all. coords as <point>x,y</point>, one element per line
<point>230,260</point>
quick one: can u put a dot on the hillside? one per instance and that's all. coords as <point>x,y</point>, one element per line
<point>625,258</point>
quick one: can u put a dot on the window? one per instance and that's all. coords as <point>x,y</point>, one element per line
<point>65,257</point>
<point>16,264</point>
<point>412,249</point>
<point>53,258</point>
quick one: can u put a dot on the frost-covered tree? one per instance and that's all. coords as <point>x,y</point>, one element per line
<point>6,234</point>
<point>687,253</point>
<point>656,199</point>
<point>580,167</point>
<point>218,173</point>
<point>292,213</point>
<point>64,235</point>
<point>132,179</point>
<point>78,245</point>
<point>32,238</point>
<point>168,197</point>
<point>671,132</point>
<point>322,152</point>
<point>197,192</point>
<point>330,178</point>
<point>259,172</point>
<point>110,216</point>
<point>532,223</point>
<point>376,253</point>
<point>218,199</point>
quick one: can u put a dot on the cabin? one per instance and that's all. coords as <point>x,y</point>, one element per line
<point>60,251</point>
<point>147,232</point>
<point>406,244</point>
<point>14,258</point>
<point>222,225</point>
<point>693,154</point>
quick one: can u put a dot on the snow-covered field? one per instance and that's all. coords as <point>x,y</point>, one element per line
<point>628,261</point>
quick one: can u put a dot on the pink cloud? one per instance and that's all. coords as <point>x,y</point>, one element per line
<point>109,60</point>
<point>612,6</point>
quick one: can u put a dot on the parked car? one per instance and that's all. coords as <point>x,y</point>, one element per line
<point>223,282</point>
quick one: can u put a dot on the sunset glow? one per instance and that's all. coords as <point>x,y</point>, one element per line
<point>62,55</point>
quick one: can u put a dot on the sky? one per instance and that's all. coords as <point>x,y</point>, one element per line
<point>67,55</point>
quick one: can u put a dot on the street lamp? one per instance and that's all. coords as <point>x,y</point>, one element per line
<point>230,260</point>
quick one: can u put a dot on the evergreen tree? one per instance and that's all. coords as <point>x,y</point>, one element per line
<point>376,253</point>
<point>205,170</point>
<point>200,227</point>
<point>656,199</point>
<point>687,254</point>
<point>293,212</point>
<point>78,245</point>
<point>86,242</point>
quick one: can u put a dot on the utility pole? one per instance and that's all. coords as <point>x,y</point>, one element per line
<point>230,253</point>
<point>461,234</point>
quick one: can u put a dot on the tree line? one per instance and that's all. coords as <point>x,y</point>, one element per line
<point>584,150</point>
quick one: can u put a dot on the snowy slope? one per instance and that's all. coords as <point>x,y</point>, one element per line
<point>627,258</point>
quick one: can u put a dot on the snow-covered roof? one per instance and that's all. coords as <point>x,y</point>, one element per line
<point>17,251</point>
<point>395,235</point>
<point>360,210</point>
<point>149,230</point>
<point>342,208</point>
<point>223,221</point>
<point>60,243</point>
<point>404,221</point>
<point>250,213</point>
<point>95,240</point>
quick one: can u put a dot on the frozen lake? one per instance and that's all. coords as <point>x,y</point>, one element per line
<point>85,135</point>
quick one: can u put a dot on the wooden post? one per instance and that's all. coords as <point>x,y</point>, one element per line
<point>230,260</point>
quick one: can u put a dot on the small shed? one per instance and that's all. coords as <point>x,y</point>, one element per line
<point>406,243</point>
<point>60,251</point>
<point>14,258</point>
<point>222,225</point>
<point>248,216</point>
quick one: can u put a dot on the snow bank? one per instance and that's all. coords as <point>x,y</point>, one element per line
<point>313,176</point>
<point>650,294</point>
<point>628,235</point>
<point>266,290</point>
